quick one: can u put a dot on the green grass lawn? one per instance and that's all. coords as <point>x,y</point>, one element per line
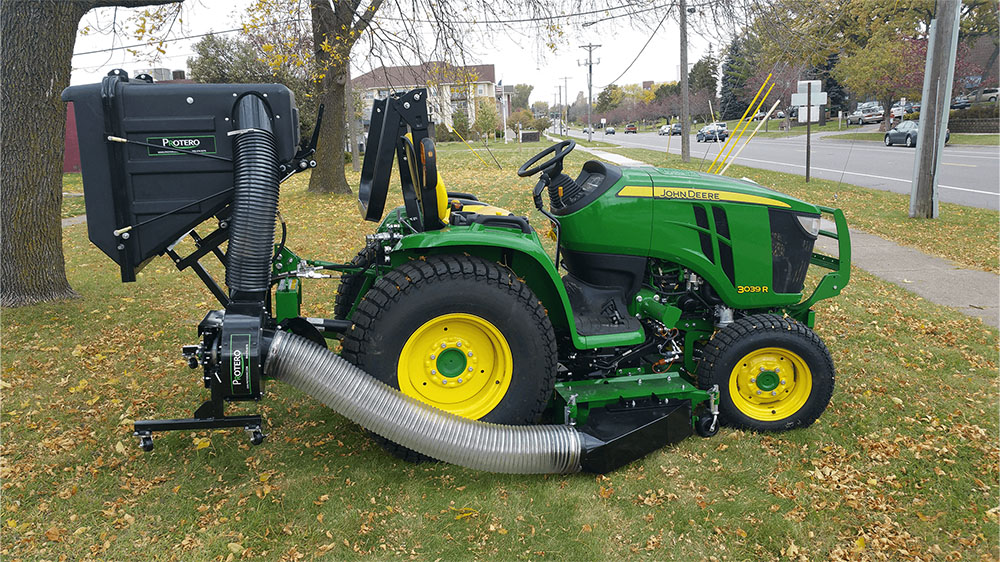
<point>965,235</point>
<point>902,466</point>
<point>72,204</point>
<point>957,138</point>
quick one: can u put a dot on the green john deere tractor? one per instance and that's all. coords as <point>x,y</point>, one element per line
<point>673,301</point>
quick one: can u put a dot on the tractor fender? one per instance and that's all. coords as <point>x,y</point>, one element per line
<point>521,252</point>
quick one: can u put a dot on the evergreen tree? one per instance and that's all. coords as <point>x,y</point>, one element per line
<point>735,71</point>
<point>704,74</point>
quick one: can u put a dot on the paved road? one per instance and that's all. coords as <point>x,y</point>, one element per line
<point>970,175</point>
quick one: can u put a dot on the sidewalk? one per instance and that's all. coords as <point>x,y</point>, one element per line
<point>973,293</point>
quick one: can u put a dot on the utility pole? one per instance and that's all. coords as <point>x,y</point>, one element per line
<point>685,100</point>
<point>590,85</point>
<point>564,116</point>
<point>558,87</point>
<point>939,70</point>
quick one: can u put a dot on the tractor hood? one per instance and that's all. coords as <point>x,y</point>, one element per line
<point>700,186</point>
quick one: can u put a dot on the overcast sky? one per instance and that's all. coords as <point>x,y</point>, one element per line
<point>518,59</point>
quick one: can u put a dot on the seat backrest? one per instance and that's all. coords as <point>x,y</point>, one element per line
<point>419,176</point>
<point>432,179</point>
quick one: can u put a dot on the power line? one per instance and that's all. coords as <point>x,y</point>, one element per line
<point>465,22</point>
<point>648,41</point>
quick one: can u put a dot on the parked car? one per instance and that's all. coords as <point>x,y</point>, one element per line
<point>663,130</point>
<point>960,102</point>
<point>631,128</point>
<point>758,116</point>
<point>712,133</point>
<point>676,129</point>
<point>779,114</point>
<point>898,111</point>
<point>588,130</point>
<point>609,130</point>
<point>990,94</point>
<point>870,112</point>
<point>906,134</point>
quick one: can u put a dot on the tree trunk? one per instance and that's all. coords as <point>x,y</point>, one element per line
<point>328,176</point>
<point>886,116</point>
<point>38,40</point>
<point>987,72</point>
<point>35,57</point>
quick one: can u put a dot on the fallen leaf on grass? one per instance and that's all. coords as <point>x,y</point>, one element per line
<point>235,548</point>
<point>464,512</point>
<point>55,534</point>
<point>202,443</point>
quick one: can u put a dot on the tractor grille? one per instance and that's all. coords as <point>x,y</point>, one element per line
<point>791,249</point>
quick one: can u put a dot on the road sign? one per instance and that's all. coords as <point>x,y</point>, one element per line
<point>803,86</point>
<point>604,121</point>
<point>814,111</point>
<point>818,98</point>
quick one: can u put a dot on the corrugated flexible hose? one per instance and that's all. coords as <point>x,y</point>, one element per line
<point>255,204</point>
<point>324,375</point>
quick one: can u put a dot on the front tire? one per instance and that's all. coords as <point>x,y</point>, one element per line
<point>888,141</point>
<point>460,333</point>
<point>773,373</point>
<point>909,141</point>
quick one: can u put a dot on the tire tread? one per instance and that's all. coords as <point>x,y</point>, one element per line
<point>400,283</point>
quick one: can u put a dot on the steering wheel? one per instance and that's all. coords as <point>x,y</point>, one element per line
<point>561,150</point>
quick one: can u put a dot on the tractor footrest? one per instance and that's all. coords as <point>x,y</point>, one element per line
<point>599,311</point>
<point>617,435</point>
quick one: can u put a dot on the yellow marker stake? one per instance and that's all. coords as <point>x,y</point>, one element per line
<point>732,146</point>
<point>470,147</point>
<point>738,123</point>
<point>757,128</point>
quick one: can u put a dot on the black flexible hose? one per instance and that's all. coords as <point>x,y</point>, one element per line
<point>255,167</point>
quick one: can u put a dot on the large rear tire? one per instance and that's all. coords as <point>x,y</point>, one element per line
<point>773,373</point>
<point>460,333</point>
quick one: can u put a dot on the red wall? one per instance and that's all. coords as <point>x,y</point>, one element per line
<point>71,156</point>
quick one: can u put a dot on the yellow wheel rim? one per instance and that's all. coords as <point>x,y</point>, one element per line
<point>460,363</point>
<point>770,384</point>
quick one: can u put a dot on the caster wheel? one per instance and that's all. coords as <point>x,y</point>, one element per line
<point>146,443</point>
<point>707,425</point>
<point>256,436</point>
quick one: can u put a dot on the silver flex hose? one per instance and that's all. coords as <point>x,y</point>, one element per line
<point>324,375</point>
